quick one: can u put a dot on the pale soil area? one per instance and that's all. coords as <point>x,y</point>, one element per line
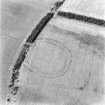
<point>94,8</point>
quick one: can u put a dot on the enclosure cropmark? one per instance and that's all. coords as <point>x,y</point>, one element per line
<point>49,58</point>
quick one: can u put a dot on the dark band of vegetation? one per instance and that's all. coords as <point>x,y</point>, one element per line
<point>39,28</point>
<point>82,18</point>
<point>25,48</point>
<point>22,55</point>
<point>36,31</point>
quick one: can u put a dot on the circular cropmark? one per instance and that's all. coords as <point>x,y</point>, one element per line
<point>49,58</point>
